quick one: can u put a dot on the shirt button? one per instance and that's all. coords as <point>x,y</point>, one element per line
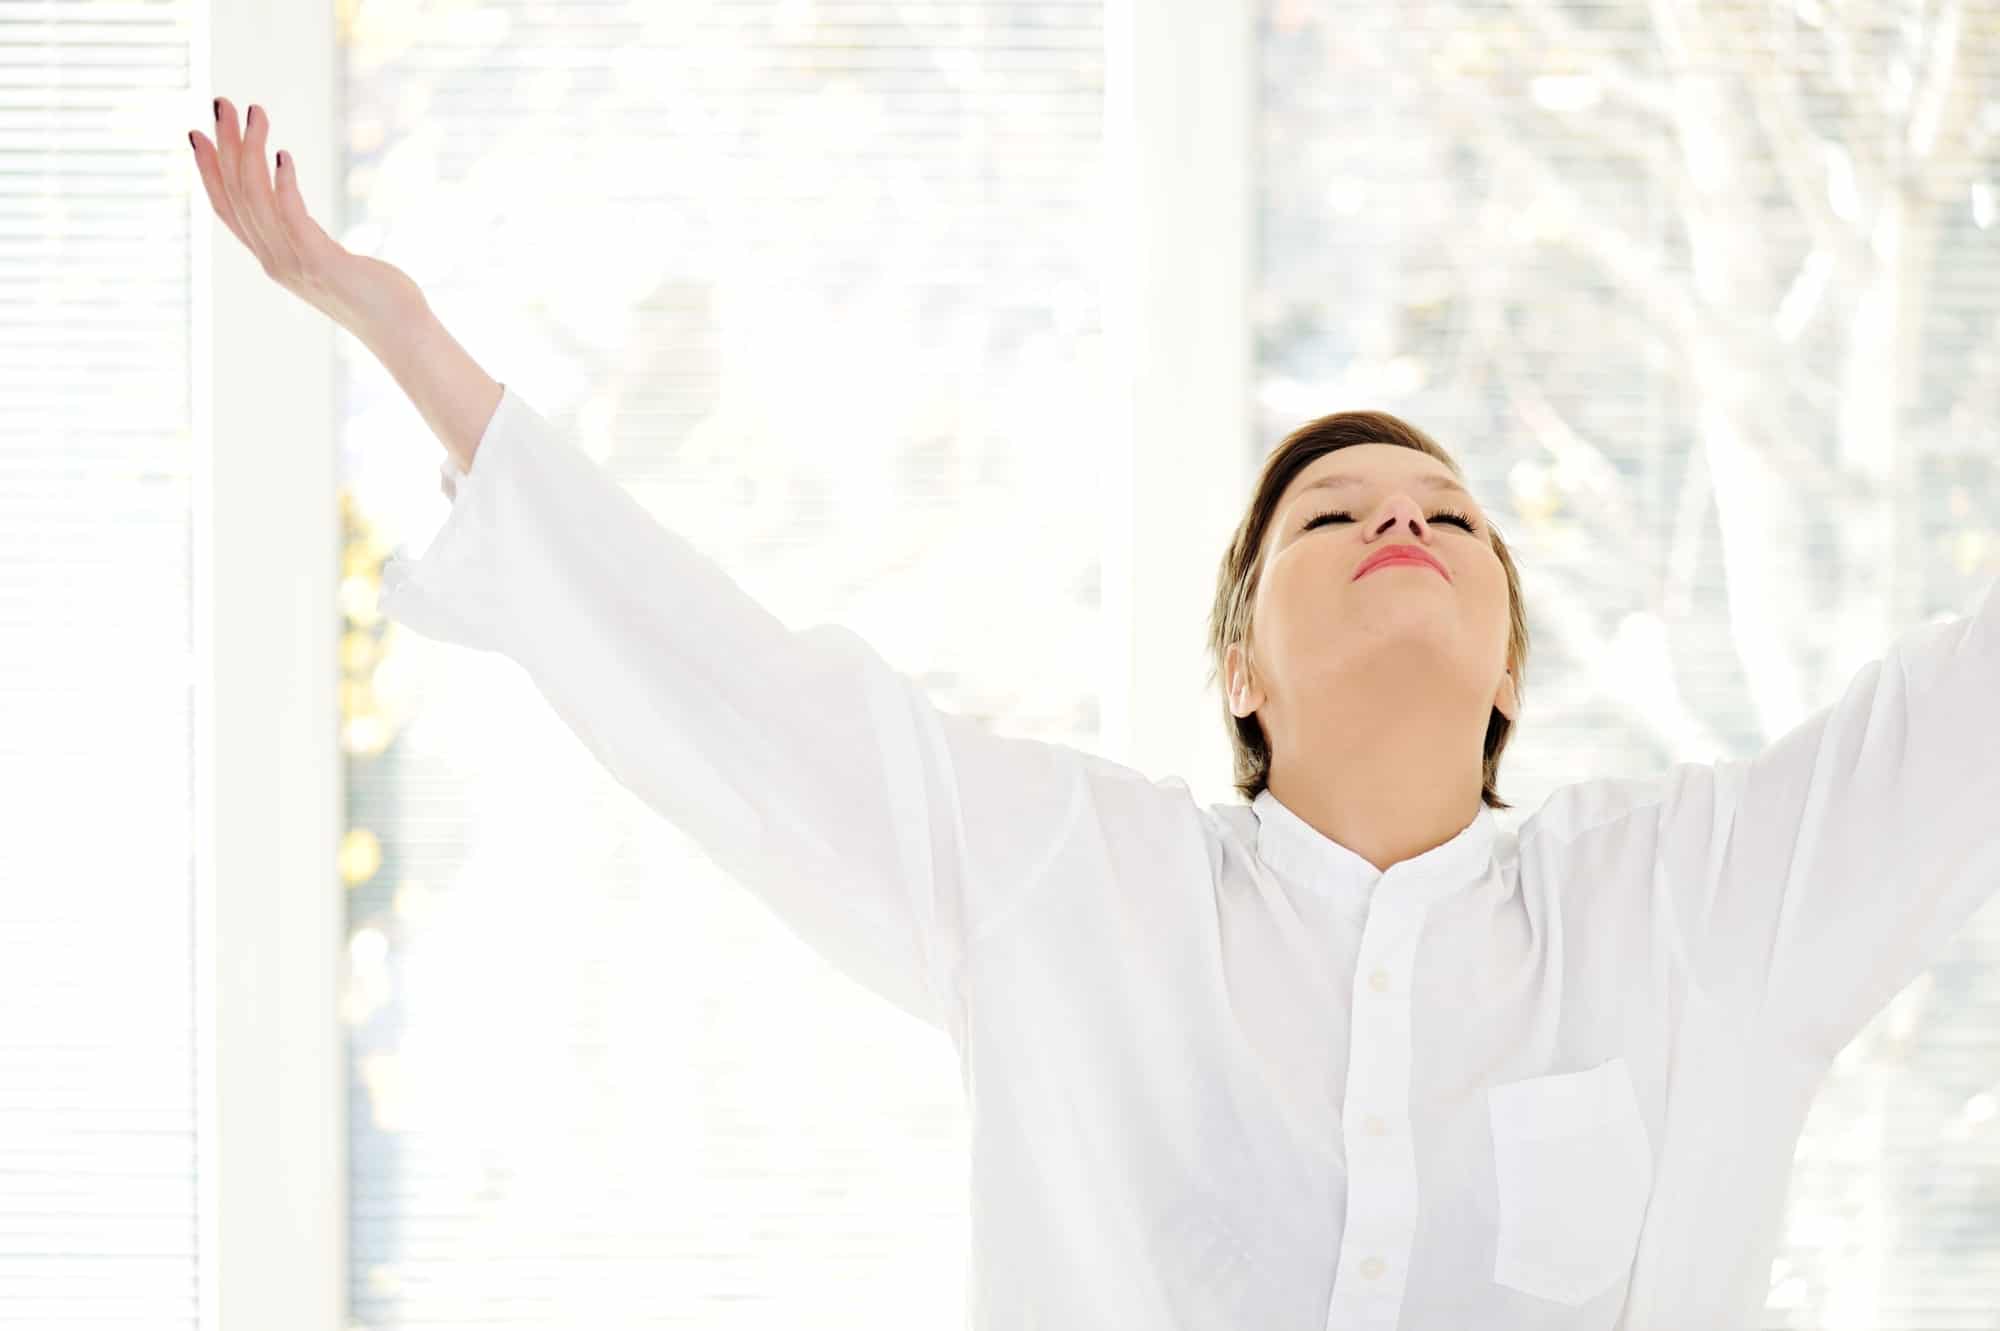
<point>1371,1268</point>
<point>1379,982</point>
<point>1375,1126</point>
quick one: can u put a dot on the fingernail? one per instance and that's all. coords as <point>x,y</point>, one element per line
<point>191,143</point>
<point>281,157</point>
<point>218,110</point>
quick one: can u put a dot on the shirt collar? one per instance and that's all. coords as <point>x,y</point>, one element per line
<point>1295,848</point>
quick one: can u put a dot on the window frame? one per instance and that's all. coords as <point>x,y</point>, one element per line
<point>1179,162</point>
<point>271,1168</point>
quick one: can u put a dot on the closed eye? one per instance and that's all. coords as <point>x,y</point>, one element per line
<point>1443,515</point>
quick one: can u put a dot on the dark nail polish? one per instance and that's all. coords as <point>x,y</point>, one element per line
<point>191,143</point>
<point>218,110</point>
<point>281,157</point>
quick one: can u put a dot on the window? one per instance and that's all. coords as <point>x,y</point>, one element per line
<point>818,284</point>
<point>1699,296</point>
<point>98,1186</point>
<point>1703,299</point>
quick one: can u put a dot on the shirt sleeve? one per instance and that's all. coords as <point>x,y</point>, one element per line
<point>884,832</point>
<point>1820,876</point>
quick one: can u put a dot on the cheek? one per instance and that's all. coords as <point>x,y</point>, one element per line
<point>1306,616</point>
<point>1495,608</point>
<point>1295,608</point>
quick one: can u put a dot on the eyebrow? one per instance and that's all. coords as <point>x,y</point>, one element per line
<point>1432,482</point>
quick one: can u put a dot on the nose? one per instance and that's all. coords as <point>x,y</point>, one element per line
<point>1401,508</point>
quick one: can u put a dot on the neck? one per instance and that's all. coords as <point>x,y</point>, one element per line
<point>1387,782</point>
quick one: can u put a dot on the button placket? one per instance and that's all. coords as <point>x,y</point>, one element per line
<point>1382,1172</point>
<point>1379,1051</point>
<point>1383,982</point>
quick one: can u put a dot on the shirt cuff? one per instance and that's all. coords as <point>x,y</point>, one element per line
<point>455,590</point>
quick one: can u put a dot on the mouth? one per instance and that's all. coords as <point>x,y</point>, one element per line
<point>1397,559</point>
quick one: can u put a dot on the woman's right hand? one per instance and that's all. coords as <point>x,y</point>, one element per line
<point>366,296</point>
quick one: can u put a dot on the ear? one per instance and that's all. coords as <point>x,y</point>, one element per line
<point>1506,699</point>
<point>1244,694</point>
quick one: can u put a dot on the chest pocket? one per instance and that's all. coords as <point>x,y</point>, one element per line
<point>1574,1169</point>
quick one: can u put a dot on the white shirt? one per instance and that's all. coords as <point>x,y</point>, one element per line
<point>1222,1073</point>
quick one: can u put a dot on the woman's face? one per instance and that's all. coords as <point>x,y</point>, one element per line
<point>1397,630</point>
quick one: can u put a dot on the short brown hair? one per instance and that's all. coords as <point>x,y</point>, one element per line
<point>1236,582</point>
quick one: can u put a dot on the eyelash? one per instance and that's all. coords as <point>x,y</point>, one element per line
<point>1444,515</point>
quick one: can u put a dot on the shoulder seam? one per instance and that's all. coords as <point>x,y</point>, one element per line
<point>1537,828</point>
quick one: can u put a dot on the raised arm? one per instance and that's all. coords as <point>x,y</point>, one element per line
<point>886,833</point>
<point>1815,879</point>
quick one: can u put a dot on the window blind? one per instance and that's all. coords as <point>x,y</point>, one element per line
<point>97,1029</point>
<point>1704,298</point>
<point>817,283</point>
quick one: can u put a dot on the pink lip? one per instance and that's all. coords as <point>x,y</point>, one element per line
<point>1401,554</point>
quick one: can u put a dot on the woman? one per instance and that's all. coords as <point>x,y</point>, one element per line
<point>1348,1055</point>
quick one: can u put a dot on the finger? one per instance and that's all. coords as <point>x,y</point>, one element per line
<point>225,119</point>
<point>253,197</point>
<point>309,240</point>
<point>210,167</point>
<point>229,152</point>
